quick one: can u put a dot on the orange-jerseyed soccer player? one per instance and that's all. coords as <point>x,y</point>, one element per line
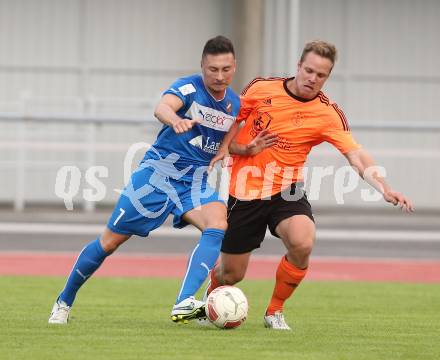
<point>283,120</point>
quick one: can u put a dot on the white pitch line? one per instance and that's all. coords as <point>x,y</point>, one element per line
<point>372,235</point>
<point>49,228</point>
<point>321,234</point>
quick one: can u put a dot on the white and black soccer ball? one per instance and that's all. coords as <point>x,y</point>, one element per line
<point>226,307</point>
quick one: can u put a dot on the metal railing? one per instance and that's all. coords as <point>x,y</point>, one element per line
<point>89,113</point>
<point>22,144</point>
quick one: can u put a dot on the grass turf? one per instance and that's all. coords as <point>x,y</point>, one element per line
<point>129,319</point>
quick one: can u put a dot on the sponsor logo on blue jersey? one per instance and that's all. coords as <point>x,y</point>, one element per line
<point>211,118</point>
<point>209,146</point>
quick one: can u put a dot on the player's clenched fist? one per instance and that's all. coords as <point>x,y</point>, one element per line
<point>184,125</point>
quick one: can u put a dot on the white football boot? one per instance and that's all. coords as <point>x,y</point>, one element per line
<point>276,321</point>
<point>203,320</point>
<point>188,309</point>
<point>60,313</point>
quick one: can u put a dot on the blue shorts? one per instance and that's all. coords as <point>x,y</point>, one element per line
<point>150,197</point>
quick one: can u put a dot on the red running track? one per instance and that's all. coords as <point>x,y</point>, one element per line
<point>169,266</point>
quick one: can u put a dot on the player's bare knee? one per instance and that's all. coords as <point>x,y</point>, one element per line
<point>110,241</point>
<point>220,224</point>
<point>109,245</point>
<point>301,251</point>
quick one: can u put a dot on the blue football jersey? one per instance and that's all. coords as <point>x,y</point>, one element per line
<point>196,147</point>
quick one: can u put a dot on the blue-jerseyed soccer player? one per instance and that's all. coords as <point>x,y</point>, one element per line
<point>197,111</point>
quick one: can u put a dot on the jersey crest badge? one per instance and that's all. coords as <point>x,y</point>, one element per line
<point>229,108</point>
<point>262,122</point>
<point>298,119</point>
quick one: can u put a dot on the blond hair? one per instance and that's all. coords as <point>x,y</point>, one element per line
<point>321,48</point>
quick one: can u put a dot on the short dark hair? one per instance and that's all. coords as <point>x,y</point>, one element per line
<point>218,45</point>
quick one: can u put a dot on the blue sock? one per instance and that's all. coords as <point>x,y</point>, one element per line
<point>89,259</point>
<point>202,260</point>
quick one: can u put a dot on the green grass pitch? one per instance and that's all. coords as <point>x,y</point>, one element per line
<point>129,319</point>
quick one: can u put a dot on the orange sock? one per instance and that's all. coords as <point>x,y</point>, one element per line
<point>287,279</point>
<point>214,281</point>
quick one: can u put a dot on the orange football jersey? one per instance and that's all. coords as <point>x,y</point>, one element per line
<point>300,124</point>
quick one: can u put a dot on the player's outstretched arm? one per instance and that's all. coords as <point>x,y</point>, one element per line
<point>364,165</point>
<point>263,140</point>
<point>166,111</point>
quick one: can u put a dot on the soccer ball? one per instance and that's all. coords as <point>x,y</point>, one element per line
<point>226,307</point>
